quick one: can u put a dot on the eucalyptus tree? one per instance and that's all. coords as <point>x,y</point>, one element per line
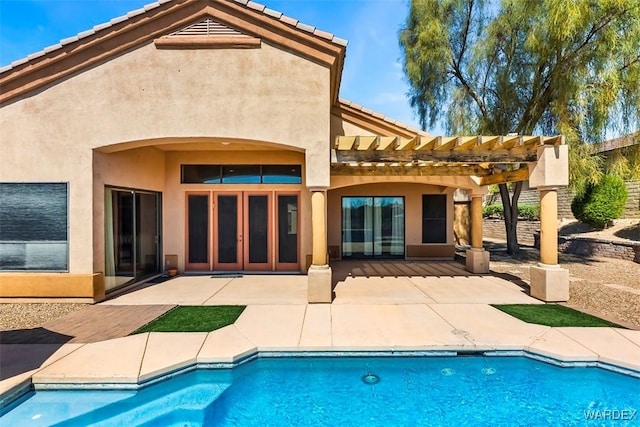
<point>526,66</point>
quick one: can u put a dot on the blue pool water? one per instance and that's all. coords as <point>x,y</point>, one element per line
<point>335,392</point>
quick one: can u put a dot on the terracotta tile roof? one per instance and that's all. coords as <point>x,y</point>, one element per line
<point>249,4</point>
<point>353,105</point>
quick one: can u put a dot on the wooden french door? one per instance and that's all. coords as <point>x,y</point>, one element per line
<point>232,233</point>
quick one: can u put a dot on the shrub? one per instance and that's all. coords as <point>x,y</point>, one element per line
<point>525,212</point>
<point>578,202</point>
<point>529,212</point>
<point>601,203</point>
<point>493,211</point>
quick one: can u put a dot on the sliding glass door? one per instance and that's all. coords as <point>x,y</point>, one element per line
<point>372,227</point>
<point>132,236</point>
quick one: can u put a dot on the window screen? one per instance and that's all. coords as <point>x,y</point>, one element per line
<point>434,218</point>
<point>33,226</point>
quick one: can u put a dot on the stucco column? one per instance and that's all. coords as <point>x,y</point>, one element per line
<point>477,257</point>
<point>549,226</point>
<point>319,274</point>
<point>319,227</point>
<point>549,282</point>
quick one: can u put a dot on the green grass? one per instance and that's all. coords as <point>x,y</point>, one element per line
<point>552,315</point>
<point>194,319</point>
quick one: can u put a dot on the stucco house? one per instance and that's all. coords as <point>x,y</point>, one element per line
<point>208,135</point>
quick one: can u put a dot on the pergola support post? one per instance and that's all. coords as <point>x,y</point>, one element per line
<point>477,258</point>
<point>549,282</point>
<point>319,274</point>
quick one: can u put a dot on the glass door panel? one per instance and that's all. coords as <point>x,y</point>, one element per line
<point>197,232</point>
<point>372,227</point>
<point>357,227</point>
<point>389,227</point>
<point>132,236</point>
<point>119,243</point>
<point>287,232</point>
<point>257,253</point>
<point>227,235</point>
<point>147,236</point>
<point>124,232</point>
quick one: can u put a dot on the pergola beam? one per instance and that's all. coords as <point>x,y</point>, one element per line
<point>521,174</point>
<point>457,156</point>
<point>428,170</point>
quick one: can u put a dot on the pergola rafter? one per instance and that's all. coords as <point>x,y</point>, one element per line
<point>420,155</point>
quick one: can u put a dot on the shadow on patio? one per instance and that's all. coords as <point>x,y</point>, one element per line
<point>395,268</point>
<point>415,282</point>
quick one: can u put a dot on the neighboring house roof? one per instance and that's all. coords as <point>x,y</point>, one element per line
<point>162,18</point>
<point>617,143</point>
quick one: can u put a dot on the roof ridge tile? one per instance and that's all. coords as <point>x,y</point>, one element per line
<point>305,27</point>
<point>273,13</point>
<point>151,6</point>
<point>135,12</point>
<point>256,6</point>
<point>69,40</point>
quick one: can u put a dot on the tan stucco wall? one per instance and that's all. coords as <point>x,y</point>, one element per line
<point>413,208</point>
<point>254,94</point>
<point>174,200</point>
<point>88,287</point>
<point>341,127</point>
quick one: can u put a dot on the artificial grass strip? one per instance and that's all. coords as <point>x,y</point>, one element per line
<point>553,315</point>
<point>194,319</point>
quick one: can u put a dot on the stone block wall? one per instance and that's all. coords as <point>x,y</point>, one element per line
<point>632,208</point>
<point>565,196</point>
<point>494,229</point>
<point>596,247</point>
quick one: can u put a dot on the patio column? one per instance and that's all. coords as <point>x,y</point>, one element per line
<point>549,282</point>
<point>477,257</point>
<point>319,274</point>
<point>549,226</point>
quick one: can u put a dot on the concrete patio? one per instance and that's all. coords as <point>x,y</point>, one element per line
<point>373,311</point>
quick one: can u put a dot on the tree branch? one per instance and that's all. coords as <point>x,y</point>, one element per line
<point>465,39</point>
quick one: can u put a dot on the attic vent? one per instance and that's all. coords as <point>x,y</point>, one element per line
<point>208,28</point>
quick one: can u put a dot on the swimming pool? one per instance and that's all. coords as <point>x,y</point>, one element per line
<point>372,391</point>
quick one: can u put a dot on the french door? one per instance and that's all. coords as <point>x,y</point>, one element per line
<point>234,231</point>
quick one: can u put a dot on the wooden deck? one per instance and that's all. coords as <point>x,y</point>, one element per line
<point>400,268</point>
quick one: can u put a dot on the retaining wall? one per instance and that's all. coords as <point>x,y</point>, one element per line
<point>494,229</point>
<point>586,247</point>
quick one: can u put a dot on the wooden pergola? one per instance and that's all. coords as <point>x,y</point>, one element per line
<point>484,158</point>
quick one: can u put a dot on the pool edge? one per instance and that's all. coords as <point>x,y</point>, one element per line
<point>15,392</point>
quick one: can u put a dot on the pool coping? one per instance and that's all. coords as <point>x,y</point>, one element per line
<point>328,354</point>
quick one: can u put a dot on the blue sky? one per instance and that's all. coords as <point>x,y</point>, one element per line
<point>372,74</point>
